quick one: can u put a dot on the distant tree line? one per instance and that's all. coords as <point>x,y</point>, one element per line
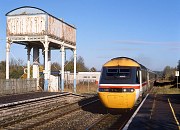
<point>169,72</point>
<point>17,67</point>
<point>69,66</point>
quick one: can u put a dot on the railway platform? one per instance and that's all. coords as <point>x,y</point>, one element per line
<point>157,112</point>
<point>10,99</point>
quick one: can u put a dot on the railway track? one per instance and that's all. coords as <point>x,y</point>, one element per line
<point>79,119</point>
<point>115,120</point>
<point>63,112</point>
<point>24,101</point>
<point>97,124</point>
<point>13,112</point>
<point>110,121</point>
<point>22,120</point>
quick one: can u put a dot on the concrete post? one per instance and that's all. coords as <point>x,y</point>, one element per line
<point>8,44</point>
<point>62,68</point>
<point>36,65</point>
<point>75,56</point>
<point>43,56</point>
<point>49,69</point>
<point>46,78</point>
<point>49,62</point>
<point>28,62</point>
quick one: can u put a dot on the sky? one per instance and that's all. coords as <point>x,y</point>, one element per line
<point>145,30</point>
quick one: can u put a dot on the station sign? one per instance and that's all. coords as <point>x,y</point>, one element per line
<point>176,73</point>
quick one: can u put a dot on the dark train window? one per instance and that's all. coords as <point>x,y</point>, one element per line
<point>118,73</point>
<point>124,73</point>
<point>112,70</point>
<point>124,70</point>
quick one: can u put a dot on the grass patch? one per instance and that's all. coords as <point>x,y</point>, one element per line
<point>90,88</point>
<point>167,89</point>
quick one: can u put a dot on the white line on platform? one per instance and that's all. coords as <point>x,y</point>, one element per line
<point>174,114</point>
<point>130,120</point>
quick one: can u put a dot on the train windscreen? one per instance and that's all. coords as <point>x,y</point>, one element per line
<point>119,75</point>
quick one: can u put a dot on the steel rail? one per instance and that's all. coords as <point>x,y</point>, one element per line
<point>31,100</point>
<point>57,108</point>
<point>28,107</point>
<point>19,110</point>
<point>31,108</point>
<point>30,104</point>
<point>58,115</point>
<point>97,121</point>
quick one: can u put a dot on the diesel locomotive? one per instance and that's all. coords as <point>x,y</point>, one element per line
<point>123,82</point>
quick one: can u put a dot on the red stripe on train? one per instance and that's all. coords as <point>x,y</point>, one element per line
<point>135,87</point>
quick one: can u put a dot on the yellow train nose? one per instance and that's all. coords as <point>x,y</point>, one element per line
<point>117,100</point>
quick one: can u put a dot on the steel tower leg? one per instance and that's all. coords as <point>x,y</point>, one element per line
<point>75,56</point>
<point>49,62</point>
<point>46,83</point>
<point>28,62</point>
<point>36,65</point>
<point>62,67</point>
<point>7,58</point>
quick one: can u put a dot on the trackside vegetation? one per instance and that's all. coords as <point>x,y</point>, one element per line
<point>167,89</point>
<point>17,67</point>
<point>166,76</point>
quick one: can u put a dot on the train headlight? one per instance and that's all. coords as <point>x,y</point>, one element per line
<point>124,90</point>
<point>128,90</point>
<point>132,90</point>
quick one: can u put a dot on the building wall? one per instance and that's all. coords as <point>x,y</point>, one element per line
<point>16,86</point>
<point>83,77</point>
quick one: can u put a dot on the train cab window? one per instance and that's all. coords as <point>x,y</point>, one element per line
<point>112,72</point>
<point>118,73</point>
<point>124,73</point>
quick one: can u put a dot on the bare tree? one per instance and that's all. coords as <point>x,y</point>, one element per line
<point>69,65</point>
<point>168,73</point>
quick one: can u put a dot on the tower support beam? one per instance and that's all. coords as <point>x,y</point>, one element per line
<point>62,67</point>
<point>8,45</point>
<point>75,56</point>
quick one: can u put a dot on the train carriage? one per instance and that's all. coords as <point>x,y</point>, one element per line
<point>122,83</point>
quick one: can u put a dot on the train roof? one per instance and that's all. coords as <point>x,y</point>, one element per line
<point>123,61</point>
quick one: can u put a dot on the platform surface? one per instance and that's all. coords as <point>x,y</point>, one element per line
<point>157,113</point>
<point>20,97</point>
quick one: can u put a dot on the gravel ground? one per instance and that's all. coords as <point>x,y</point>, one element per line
<point>78,120</point>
